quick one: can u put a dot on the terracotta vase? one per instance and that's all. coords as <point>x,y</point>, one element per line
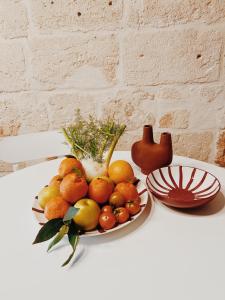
<point>150,156</point>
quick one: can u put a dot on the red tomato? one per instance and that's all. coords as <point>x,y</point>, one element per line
<point>116,199</point>
<point>133,207</point>
<point>107,209</point>
<point>122,214</point>
<point>107,220</point>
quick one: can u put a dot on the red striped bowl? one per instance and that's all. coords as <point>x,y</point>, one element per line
<point>183,187</point>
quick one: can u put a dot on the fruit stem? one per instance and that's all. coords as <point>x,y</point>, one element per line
<point>113,145</point>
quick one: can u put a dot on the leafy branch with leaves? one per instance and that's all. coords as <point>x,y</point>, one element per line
<point>58,228</point>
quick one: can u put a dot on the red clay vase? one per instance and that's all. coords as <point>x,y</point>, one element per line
<point>150,156</point>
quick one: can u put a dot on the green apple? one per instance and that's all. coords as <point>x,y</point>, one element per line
<point>88,214</point>
<point>46,194</point>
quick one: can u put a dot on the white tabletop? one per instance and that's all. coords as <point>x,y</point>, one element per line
<point>165,254</point>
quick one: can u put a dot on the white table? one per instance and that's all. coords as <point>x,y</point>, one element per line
<point>165,254</point>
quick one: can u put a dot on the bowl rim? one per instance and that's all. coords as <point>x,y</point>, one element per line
<point>189,201</point>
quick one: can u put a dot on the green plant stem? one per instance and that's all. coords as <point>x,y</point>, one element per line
<point>102,149</point>
<point>105,142</point>
<point>105,132</point>
<point>113,145</point>
<point>70,141</point>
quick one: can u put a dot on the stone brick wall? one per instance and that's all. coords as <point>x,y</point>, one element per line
<point>149,61</point>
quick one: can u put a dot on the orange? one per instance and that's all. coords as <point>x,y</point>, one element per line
<point>100,189</point>
<point>121,170</point>
<point>69,165</point>
<point>128,190</point>
<point>56,208</point>
<point>55,181</point>
<point>73,187</point>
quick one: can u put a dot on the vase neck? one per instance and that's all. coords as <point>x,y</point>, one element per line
<point>148,134</point>
<point>166,139</point>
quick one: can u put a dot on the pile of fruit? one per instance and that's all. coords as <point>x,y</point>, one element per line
<point>102,203</point>
<point>73,204</point>
<point>88,193</point>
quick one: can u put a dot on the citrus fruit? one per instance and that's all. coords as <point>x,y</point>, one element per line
<point>69,165</point>
<point>100,189</point>
<point>88,214</point>
<point>46,194</point>
<point>56,208</point>
<point>73,187</point>
<point>121,170</point>
<point>108,180</point>
<point>128,190</point>
<point>55,181</point>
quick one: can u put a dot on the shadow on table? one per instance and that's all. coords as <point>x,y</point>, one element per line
<point>120,233</point>
<point>86,243</point>
<point>214,207</point>
<point>79,256</point>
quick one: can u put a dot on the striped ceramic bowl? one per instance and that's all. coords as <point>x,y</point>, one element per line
<point>183,187</point>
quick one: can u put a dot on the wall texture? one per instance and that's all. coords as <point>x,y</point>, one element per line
<point>149,61</point>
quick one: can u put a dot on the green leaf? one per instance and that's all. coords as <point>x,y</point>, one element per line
<point>73,236</point>
<point>71,212</point>
<point>63,230</point>
<point>74,240</point>
<point>48,230</point>
<point>73,229</point>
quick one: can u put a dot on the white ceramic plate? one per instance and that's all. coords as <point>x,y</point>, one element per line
<point>39,213</point>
